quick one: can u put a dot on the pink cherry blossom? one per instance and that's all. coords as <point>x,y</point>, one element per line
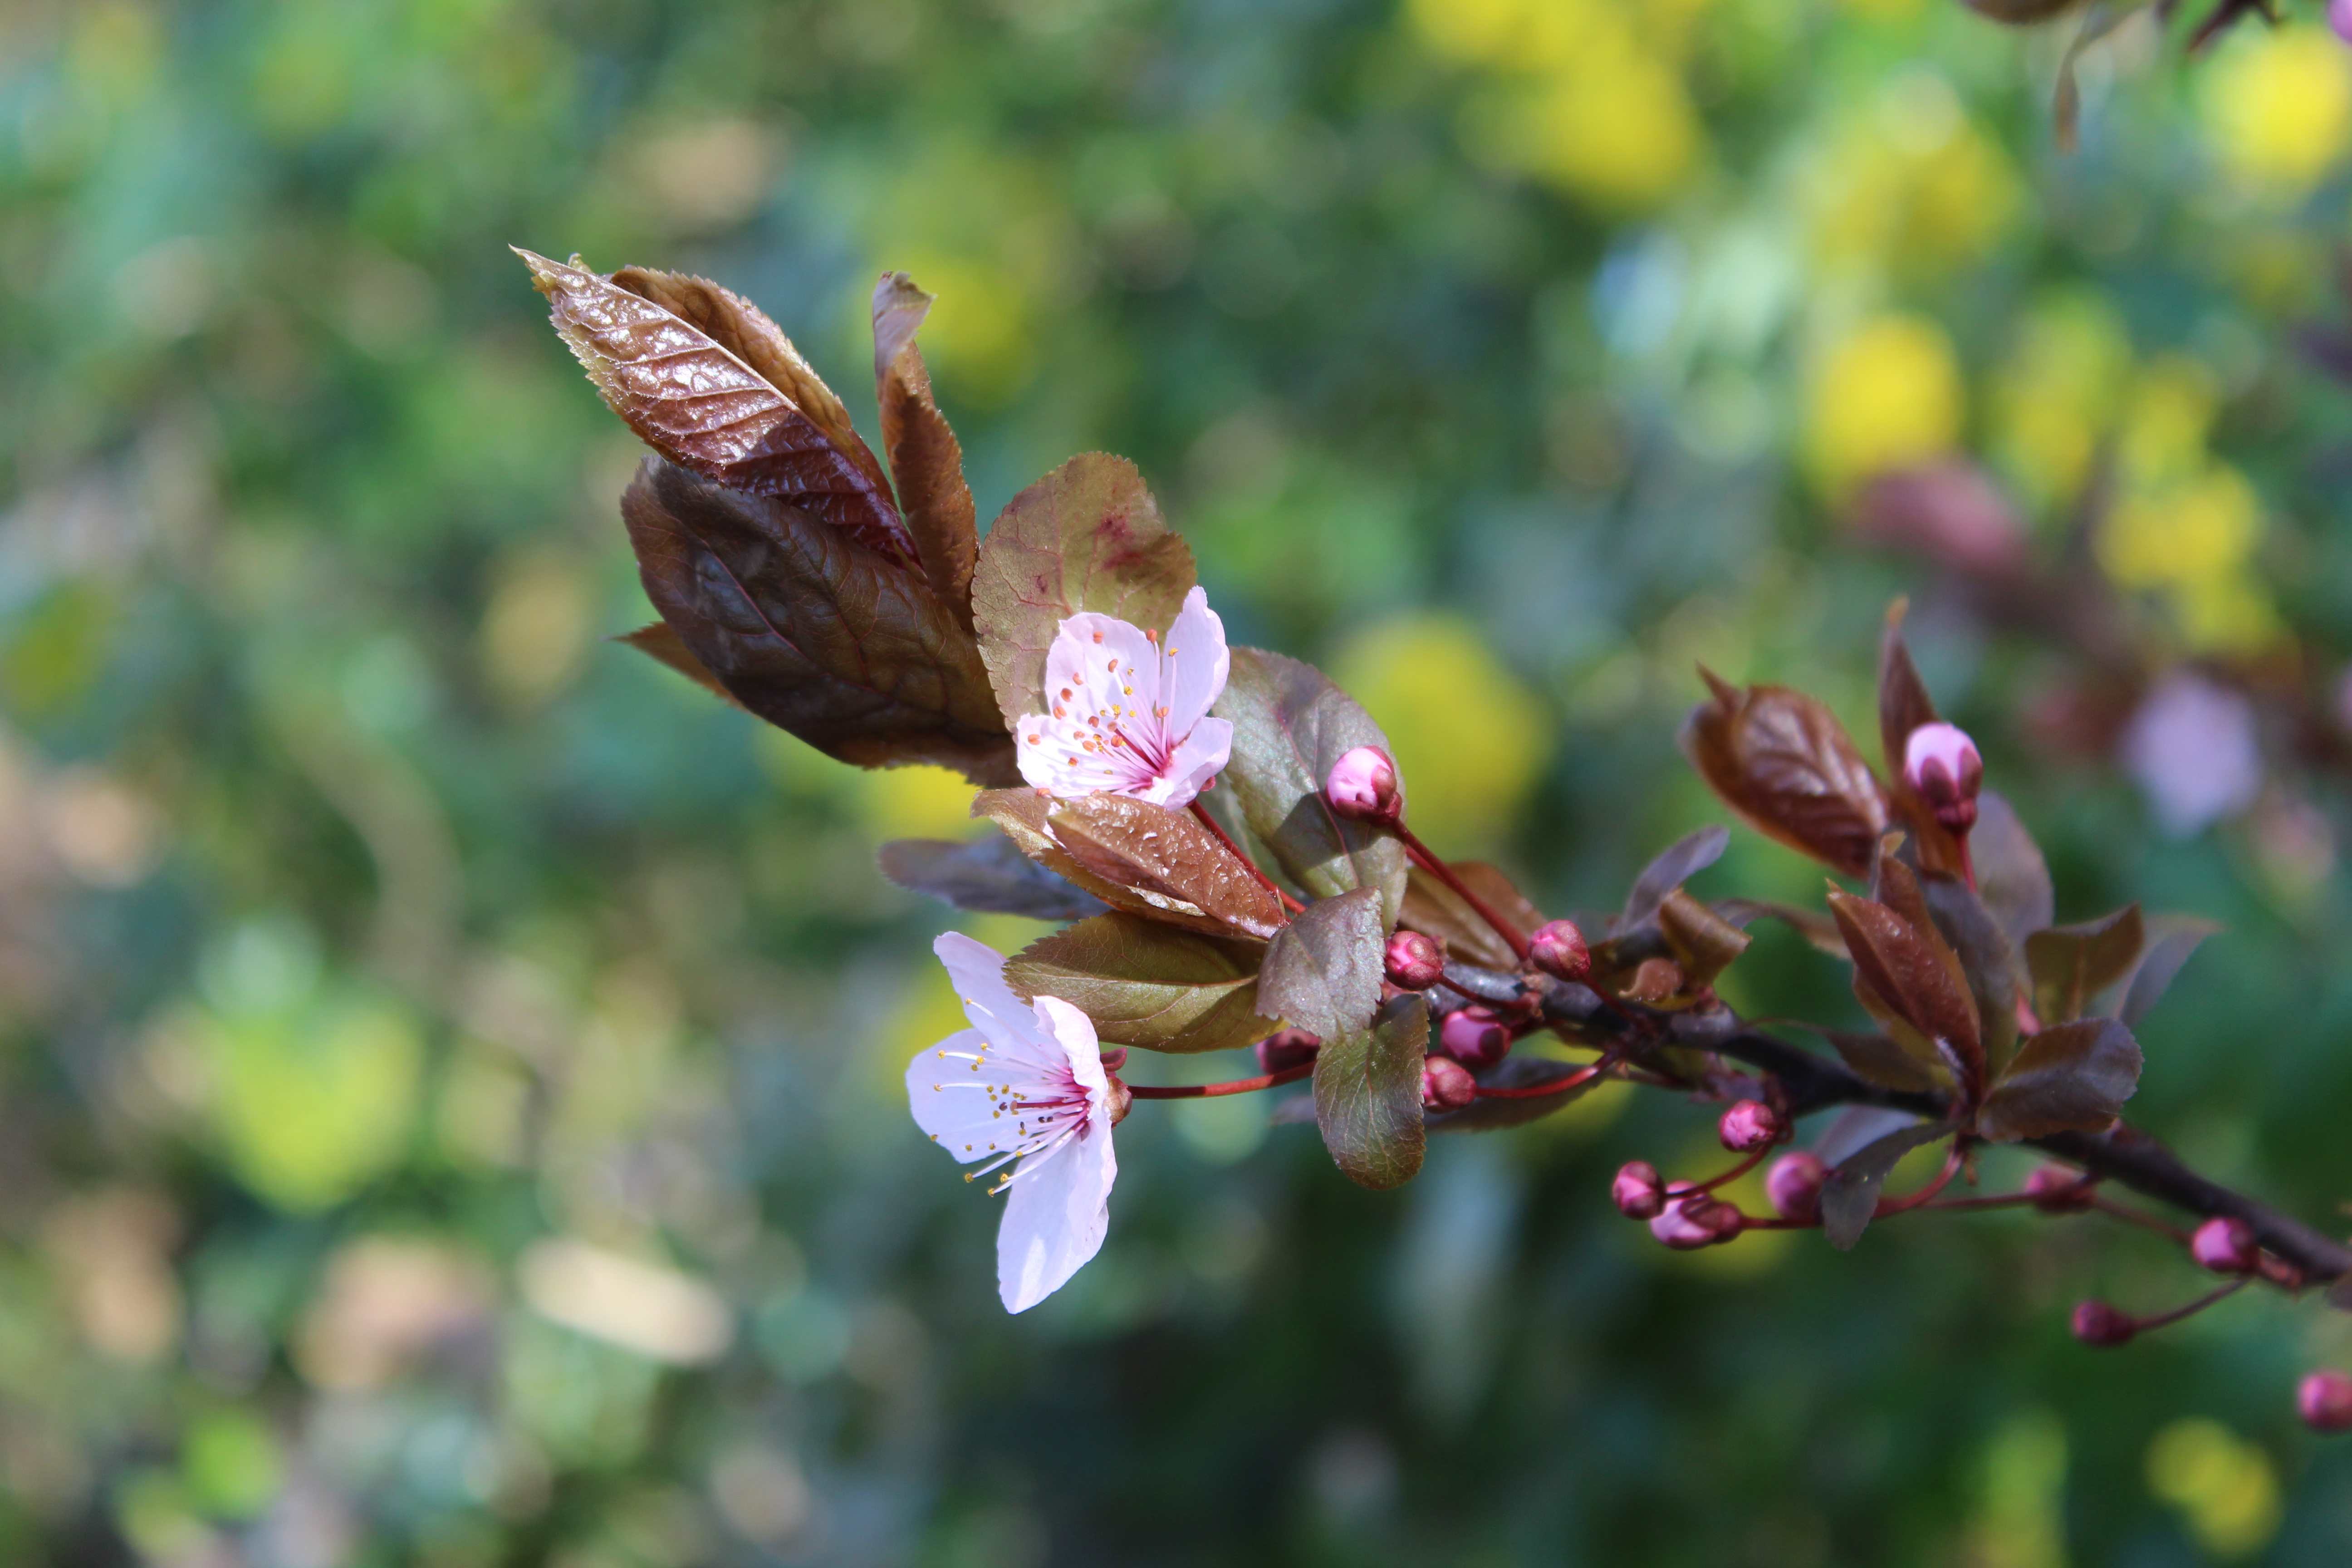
<point>1127,711</point>
<point>1025,1083</point>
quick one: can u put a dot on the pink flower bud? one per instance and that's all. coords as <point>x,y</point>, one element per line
<point>1445,1084</point>
<point>1747,1126</point>
<point>1639,1192</point>
<point>2057,1190</point>
<point>1558,949</point>
<point>1475,1037</point>
<point>1941,762</point>
<point>2098,1324</point>
<point>1793,1187</point>
<point>2323,1400</point>
<point>1286,1048</point>
<point>1415,962</point>
<point>2225,1246</point>
<point>1363,787</point>
<point>1696,1221</point>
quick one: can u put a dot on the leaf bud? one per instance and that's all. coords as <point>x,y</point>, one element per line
<point>2098,1324</point>
<point>2225,1246</point>
<point>1286,1048</point>
<point>1941,763</point>
<point>1363,787</point>
<point>2057,1190</point>
<point>1415,960</point>
<point>1750,1125</point>
<point>1690,1223</point>
<point>1474,1036</point>
<point>1445,1084</point>
<point>1793,1187</point>
<point>1639,1192</point>
<point>2323,1400</point>
<point>1558,949</point>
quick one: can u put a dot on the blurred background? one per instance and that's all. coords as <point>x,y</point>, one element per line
<point>449,1066</point>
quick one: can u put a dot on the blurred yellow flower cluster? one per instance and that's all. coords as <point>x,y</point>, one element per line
<point>1909,185</point>
<point>2278,106</point>
<point>2225,1487</point>
<point>1887,393</point>
<point>1586,95</point>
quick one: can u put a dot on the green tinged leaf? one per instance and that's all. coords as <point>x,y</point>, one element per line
<point>1290,724</point>
<point>1367,1094</point>
<point>1851,1196</point>
<point>811,630</point>
<point>2073,1077</point>
<point>2012,878</point>
<point>989,874</point>
<point>1087,536</point>
<point>1436,909</point>
<point>926,459</point>
<point>1165,858</point>
<point>1703,942</point>
<point>1148,984</point>
<point>2072,965</point>
<point>1881,1061</point>
<point>1323,971</point>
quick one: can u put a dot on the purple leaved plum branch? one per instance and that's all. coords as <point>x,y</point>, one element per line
<point>1223,835</point>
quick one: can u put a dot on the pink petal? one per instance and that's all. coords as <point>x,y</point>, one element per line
<point>1080,663</point>
<point>1200,758</point>
<point>1054,1219</point>
<point>978,971</point>
<point>1074,1033</point>
<point>1198,663</point>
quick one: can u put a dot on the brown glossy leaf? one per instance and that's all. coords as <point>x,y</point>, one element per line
<point>1902,706</point>
<point>1367,1094</point>
<point>1916,973</point>
<point>811,630</point>
<point>1781,760</point>
<point>1704,943</point>
<point>659,641</point>
<point>1987,959</point>
<point>1323,971</point>
<point>1851,1196</point>
<point>1432,908</point>
<point>2073,1077</point>
<point>1022,815</point>
<point>2012,877</point>
<point>925,457</point>
<point>698,402</point>
<point>1670,869</point>
<point>989,874</point>
<point>1087,536</point>
<point>2072,965</point>
<point>1148,984</point>
<point>1163,855</point>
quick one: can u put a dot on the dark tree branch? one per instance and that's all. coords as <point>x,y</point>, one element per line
<point>1811,1081</point>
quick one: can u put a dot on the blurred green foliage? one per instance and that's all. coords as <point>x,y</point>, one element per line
<point>449,1064</point>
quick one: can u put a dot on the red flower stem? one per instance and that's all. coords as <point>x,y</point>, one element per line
<point>2164,1319</point>
<point>1685,1189</point>
<point>1289,903</point>
<point>1211,1090</point>
<point>1445,873</point>
<point>1943,1179</point>
<point>2130,1215</point>
<point>1997,1201</point>
<point>1538,1090</point>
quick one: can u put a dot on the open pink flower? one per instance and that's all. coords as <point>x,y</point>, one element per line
<point>1127,711</point>
<point>1025,1083</point>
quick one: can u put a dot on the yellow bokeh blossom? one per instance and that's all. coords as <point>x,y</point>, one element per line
<point>2053,398</point>
<point>1915,185</point>
<point>1886,394</point>
<point>1469,738</point>
<point>917,802</point>
<point>2225,1487</point>
<point>2278,106</point>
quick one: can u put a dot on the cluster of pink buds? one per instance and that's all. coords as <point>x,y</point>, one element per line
<point>1686,1216</point>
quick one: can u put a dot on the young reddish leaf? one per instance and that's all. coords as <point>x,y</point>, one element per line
<point>1902,706</point>
<point>1914,973</point>
<point>1819,931</point>
<point>661,642</point>
<point>1436,909</point>
<point>1367,1094</point>
<point>1290,724</point>
<point>1022,814</point>
<point>2072,965</point>
<point>1987,959</point>
<point>1781,760</point>
<point>925,457</point>
<point>698,402</point>
<point>1087,536</point>
<point>811,630</point>
<point>1670,869</point>
<point>1703,942</point>
<point>1851,1196</point>
<point>1323,972</point>
<point>2012,877</point>
<point>2172,940</point>
<point>989,874</point>
<point>1159,854</point>
<point>2073,1077</point>
<point>1148,985</point>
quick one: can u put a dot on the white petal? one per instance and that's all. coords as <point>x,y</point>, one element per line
<point>1101,667</point>
<point>1075,1032</point>
<point>1200,758</point>
<point>1198,663</point>
<point>1054,1219</point>
<point>958,1100</point>
<point>978,971</point>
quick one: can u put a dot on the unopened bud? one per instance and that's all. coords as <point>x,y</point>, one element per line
<point>1363,787</point>
<point>1747,1126</point>
<point>1941,762</point>
<point>2057,1190</point>
<point>1558,949</point>
<point>1793,1187</point>
<point>1639,1192</point>
<point>2225,1246</point>
<point>2098,1324</point>
<point>1415,960</point>
<point>2323,1400</point>
<point>1286,1048</point>
<point>1690,1223</point>
<point>1445,1084</point>
<point>1475,1037</point>
<point>1121,1100</point>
